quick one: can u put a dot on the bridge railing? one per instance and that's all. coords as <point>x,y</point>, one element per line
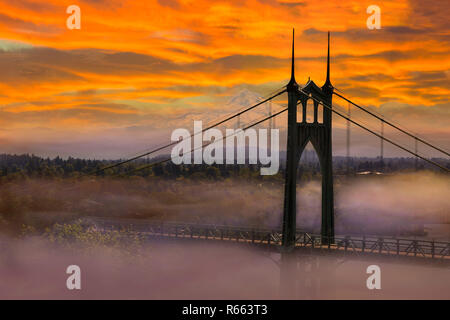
<point>273,237</point>
<point>381,245</point>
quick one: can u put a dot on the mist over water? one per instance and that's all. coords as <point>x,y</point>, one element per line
<point>35,270</point>
<point>380,203</point>
<point>31,267</point>
<point>367,203</point>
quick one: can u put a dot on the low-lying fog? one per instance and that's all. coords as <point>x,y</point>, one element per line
<point>33,270</point>
<point>31,266</point>
<point>371,204</point>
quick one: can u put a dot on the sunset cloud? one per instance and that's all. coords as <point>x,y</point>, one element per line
<point>140,62</point>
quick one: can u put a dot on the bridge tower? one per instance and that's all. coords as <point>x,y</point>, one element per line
<point>299,134</point>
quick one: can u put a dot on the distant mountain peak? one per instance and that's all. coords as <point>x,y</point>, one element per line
<point>244,98</point>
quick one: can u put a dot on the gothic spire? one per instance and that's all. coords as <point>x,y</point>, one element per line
<point>292,81</point>
<point>327,81</point>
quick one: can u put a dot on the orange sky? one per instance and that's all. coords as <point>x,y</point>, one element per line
<point>145,65</point>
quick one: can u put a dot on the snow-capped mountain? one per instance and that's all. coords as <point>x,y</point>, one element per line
<point>246,98</point>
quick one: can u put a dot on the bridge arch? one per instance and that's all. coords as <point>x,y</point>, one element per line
<point>309,189</point>
<point>310,114</point>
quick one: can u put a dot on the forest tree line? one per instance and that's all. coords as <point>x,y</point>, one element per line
<point>31,166</point>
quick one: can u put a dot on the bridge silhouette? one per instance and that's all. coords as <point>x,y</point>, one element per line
<point>300,132</point>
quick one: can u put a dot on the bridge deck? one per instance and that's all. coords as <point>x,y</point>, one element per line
<point>362,245</point>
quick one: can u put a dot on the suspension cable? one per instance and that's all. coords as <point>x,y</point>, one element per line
<point>208,143</point>
<point>374,133</point>
<point>392,125</point>
<point>175,142</point>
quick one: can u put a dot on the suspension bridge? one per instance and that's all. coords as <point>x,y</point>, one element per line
<point>300,131</point>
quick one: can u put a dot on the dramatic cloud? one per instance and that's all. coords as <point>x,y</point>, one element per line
<point>149,64</point>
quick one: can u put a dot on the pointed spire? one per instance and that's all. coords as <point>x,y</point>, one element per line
<point>328,82</point>
<point>292,81</point>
